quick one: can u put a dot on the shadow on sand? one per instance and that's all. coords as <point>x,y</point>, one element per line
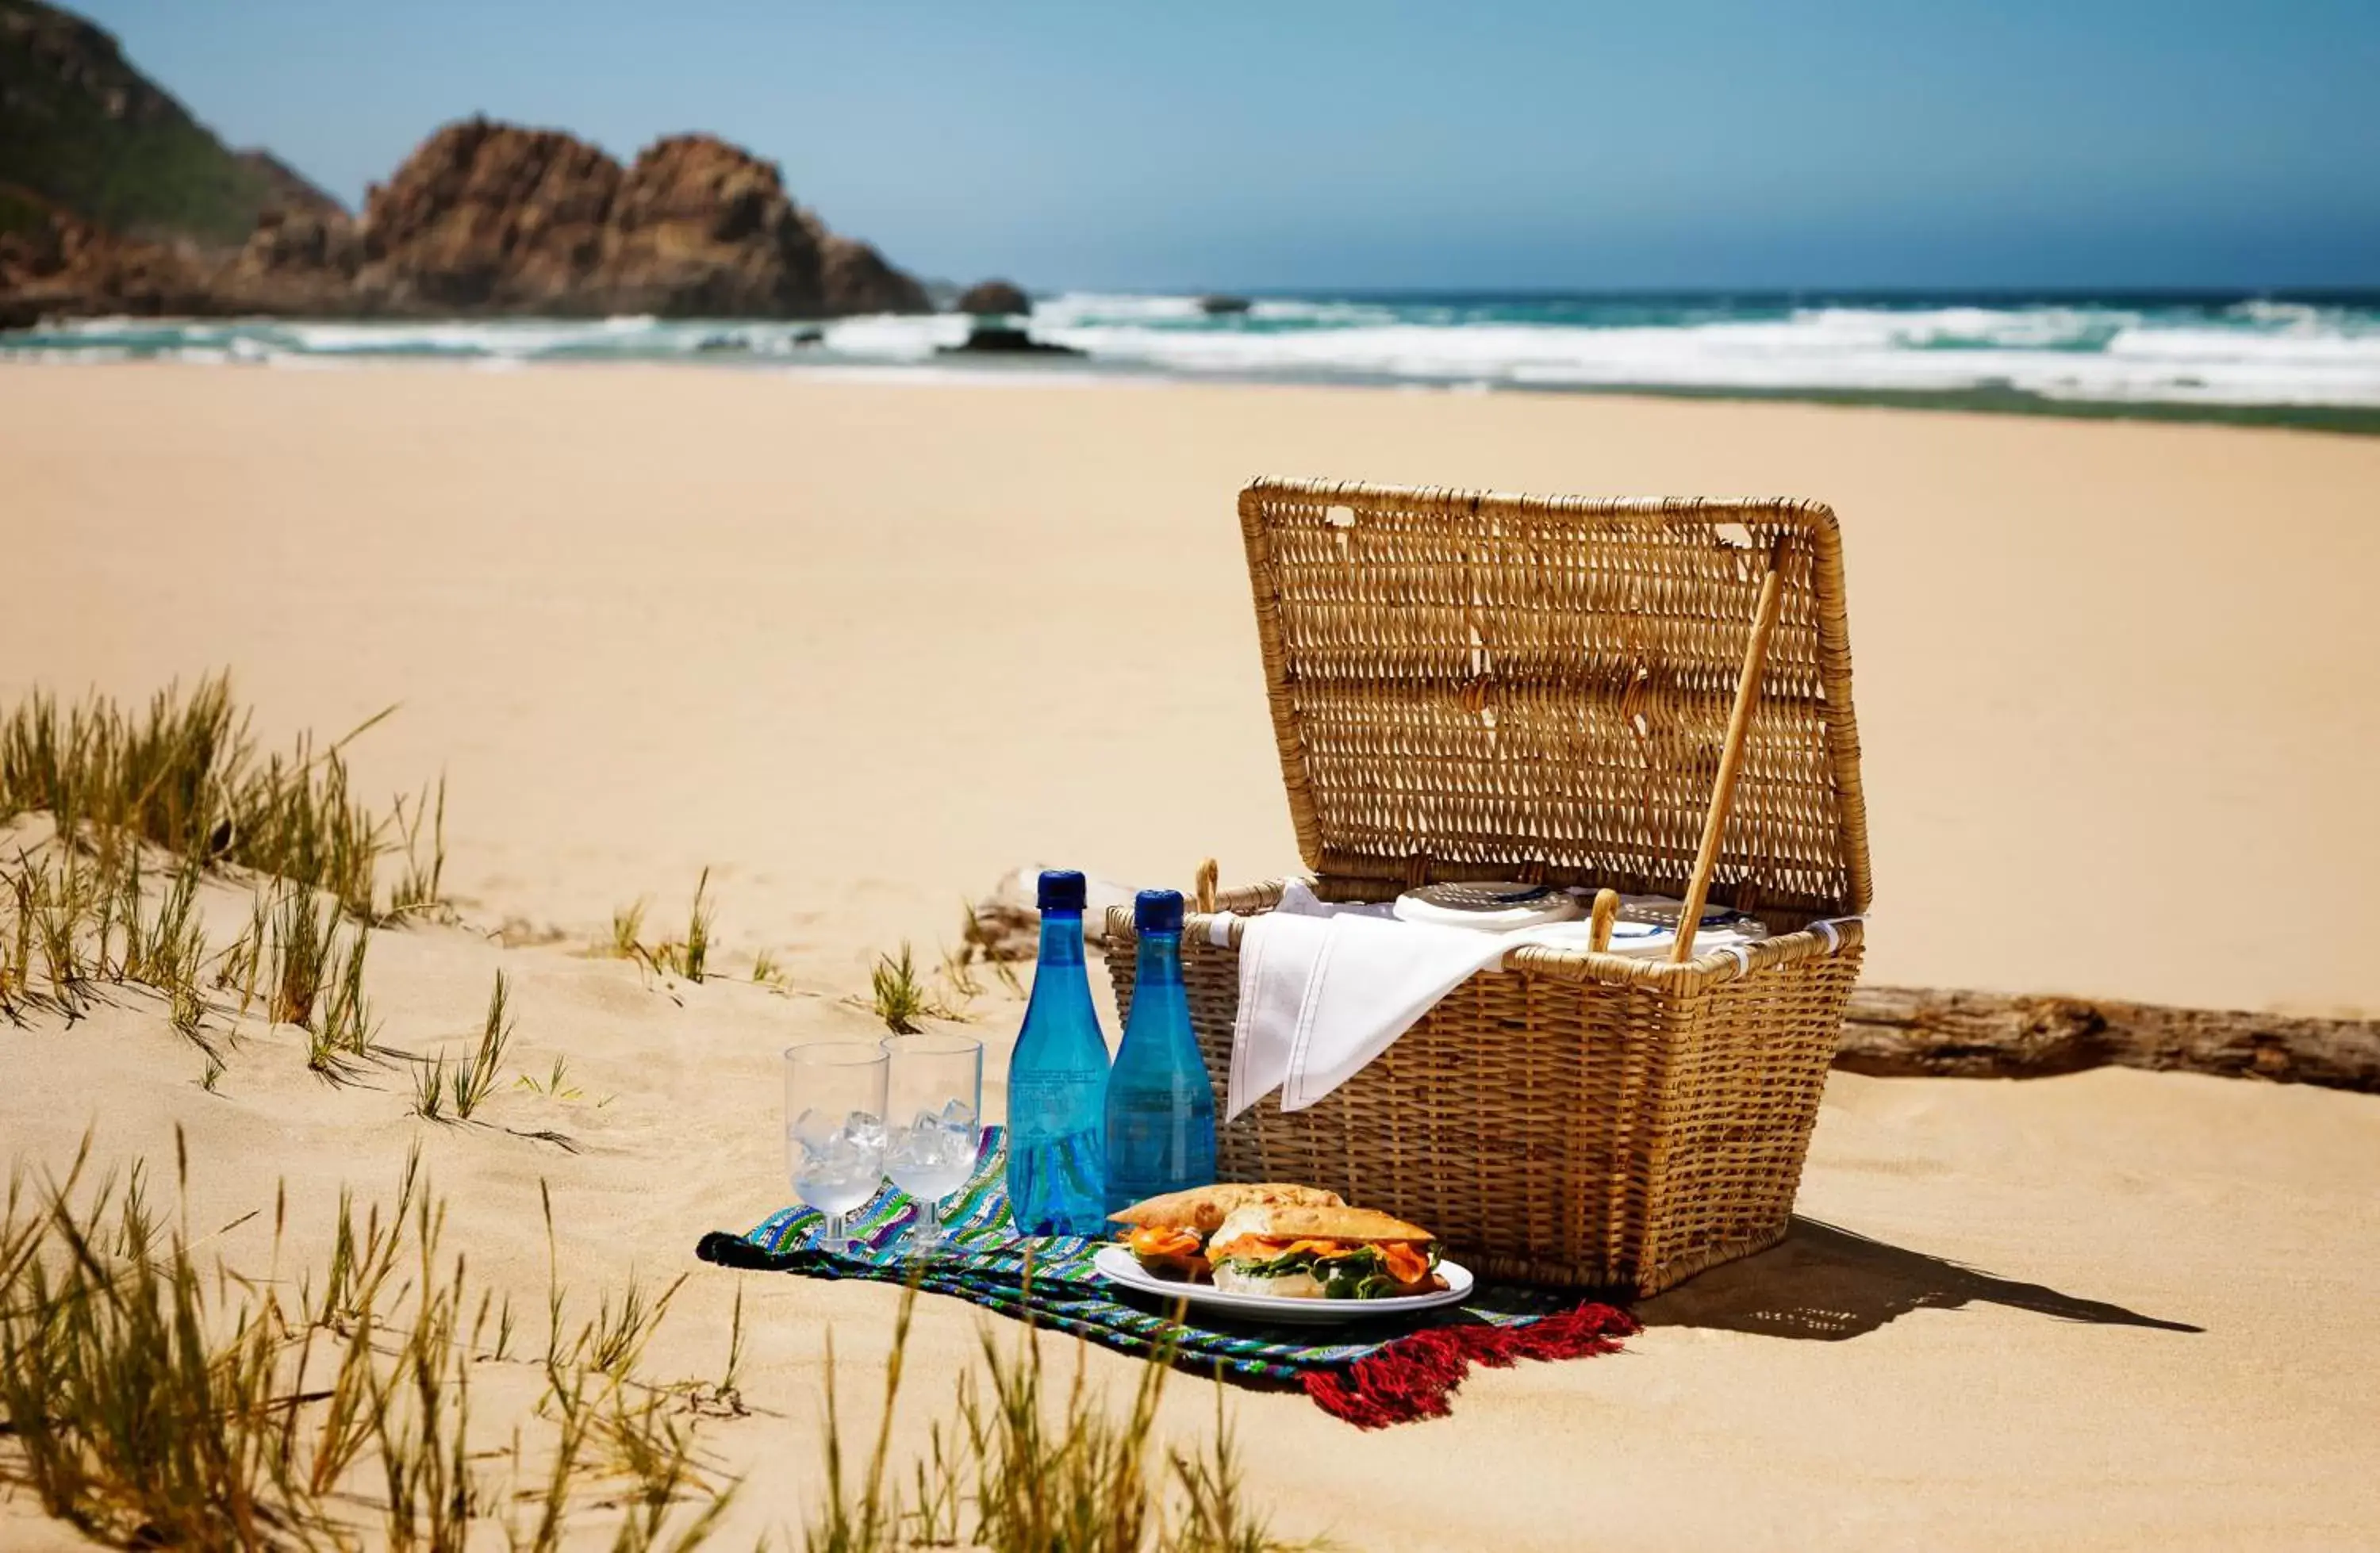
<point>1827,1284</point>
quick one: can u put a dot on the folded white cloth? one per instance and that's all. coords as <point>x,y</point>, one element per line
<point>1325,989</point>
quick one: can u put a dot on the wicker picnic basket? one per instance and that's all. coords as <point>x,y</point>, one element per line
<point>1469,686</point>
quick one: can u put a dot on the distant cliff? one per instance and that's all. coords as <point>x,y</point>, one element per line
<point>84,132</point>
<point>113,199</point>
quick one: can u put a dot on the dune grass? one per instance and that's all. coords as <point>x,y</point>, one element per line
<point>1018,1465</point>
<point>689,956</point>
<point>629,928</point>
<point>420,886</point>
<point>461,1087</point>
<point>72,923</point>
<point>901,999</point>
<point>151,1399</point>
<point>302,934</point>
<point>695,952</point>
<point>475,1076</point>
<point>188,776</point>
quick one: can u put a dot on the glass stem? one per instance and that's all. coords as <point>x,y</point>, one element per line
<point>836,1238</point>
<point>929,1221</point>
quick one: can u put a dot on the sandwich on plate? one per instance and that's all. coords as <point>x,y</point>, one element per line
<point>1168,1234</point>
<point>1321,1253</point>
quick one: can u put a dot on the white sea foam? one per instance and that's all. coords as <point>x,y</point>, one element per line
<point>2243,353</point>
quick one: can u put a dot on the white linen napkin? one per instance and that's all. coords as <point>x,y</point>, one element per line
<point>1324,990</point>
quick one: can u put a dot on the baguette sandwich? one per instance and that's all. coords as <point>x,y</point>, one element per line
<point>1168,1234</point>
<point>1322,1252</point>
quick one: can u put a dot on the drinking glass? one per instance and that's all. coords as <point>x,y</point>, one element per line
<point>937,1097</point>
<point>835,1129</point>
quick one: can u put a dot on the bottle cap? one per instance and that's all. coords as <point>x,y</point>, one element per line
<point>1157,911</point>
<point>1062,890</point>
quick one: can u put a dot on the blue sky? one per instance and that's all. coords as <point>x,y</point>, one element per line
<point>1312,143</point>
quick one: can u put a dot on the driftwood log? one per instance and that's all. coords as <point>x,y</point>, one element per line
<point>1915,1031</point>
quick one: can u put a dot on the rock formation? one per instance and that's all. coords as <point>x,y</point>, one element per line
<point>492,218</point>
<point>995,300</point>
<point>67,266</point>
<point>487,218</point>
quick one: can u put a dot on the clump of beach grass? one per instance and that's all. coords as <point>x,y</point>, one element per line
<point>695,953</point>
<point>73,921</point>
<point>302,936</point>
<point>347,1024</point>
<point>689,956</point>
<point>1018,1465</point>
<point>149,1399</point>
<point>188,776</point>
<point>475,1076</point>
<point>420,886</point>
<point>629,928</point>
<point>464,1084</point>
<point>166,950</point>
<point>901,999</point>
<point>555,1086</point>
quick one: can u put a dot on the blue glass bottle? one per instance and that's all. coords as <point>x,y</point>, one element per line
<point>1057,1082</point>
<point>1160,1106</point>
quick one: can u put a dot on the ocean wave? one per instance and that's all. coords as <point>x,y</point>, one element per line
<point>2252,351</point>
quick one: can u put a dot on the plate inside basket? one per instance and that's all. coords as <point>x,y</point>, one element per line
<point>1117,1265</point>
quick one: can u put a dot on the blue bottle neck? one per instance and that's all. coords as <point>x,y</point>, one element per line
<point>1062,938</point>
<point>1158,963</point>
<point>1062,992</point>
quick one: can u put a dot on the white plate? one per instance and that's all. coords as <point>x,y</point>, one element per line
<point>1118,1266</point>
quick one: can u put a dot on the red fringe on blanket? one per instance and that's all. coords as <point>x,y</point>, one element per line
<point>1413,1377</point>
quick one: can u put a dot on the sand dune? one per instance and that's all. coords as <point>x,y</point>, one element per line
<point>860,648</point>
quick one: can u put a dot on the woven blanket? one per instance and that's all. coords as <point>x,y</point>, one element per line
<point>1370,1373</point>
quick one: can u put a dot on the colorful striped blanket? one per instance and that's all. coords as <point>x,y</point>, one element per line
<point>1370,1373</point>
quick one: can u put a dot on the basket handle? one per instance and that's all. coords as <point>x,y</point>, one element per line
<point>1730,760</point>
<point>1202,890</point>
<point>1607,912</point>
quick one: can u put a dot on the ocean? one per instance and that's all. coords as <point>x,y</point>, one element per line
<point>2310,358</point>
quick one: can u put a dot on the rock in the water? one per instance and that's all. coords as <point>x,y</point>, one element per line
<point>1215,306</point>
<point>995,300</point>
<point>1000,340</point>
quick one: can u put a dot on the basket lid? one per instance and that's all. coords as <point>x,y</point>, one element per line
<point>1469,685</point>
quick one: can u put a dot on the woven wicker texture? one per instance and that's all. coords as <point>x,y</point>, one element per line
<point>1554,1128</point>
<point>1467,685</point>
<point>1471,685</point>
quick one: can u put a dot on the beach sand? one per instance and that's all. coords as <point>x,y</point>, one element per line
<point>860,648</point>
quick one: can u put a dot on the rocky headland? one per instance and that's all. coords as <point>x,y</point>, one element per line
<point>491,218</point>
<point>100,212</point>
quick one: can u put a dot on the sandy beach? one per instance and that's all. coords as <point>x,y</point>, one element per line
<point>860,648</point>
